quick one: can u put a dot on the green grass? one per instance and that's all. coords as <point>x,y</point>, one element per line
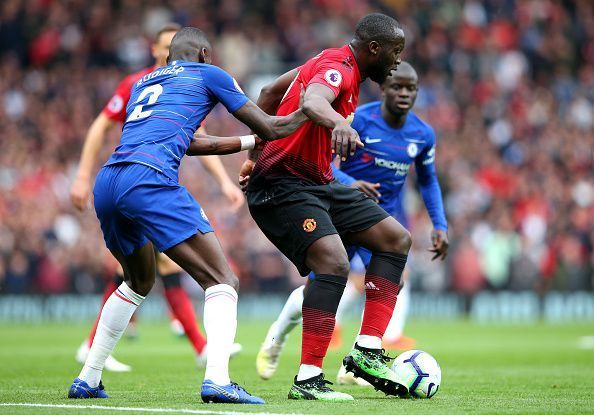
<point>486,370</point>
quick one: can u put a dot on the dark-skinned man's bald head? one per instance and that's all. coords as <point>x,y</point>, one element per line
<point>378,42</point>
<point>400,89</point>
<point>191,45</point>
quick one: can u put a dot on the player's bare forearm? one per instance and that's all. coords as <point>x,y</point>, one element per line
<point>272,94</point>
<point>213,164</point>
<point>269,127</point>
<point>204,145</point>
<point>317,106</point>
<point>92,146</point>
<point>318,109</point>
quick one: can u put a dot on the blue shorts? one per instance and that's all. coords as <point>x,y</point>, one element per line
<point>136,203</point>
<point>359,258</point>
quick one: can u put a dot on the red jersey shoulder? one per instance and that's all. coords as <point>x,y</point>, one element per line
<point>334,68</point>
<point>116,106</point>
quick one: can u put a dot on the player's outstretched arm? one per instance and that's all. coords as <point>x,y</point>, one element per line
<point>213,164</point>
<point>204,144</point>
<point>431,193</point>
<point>269,127</point>
<point>317,106</point>
<point>272,94</point>
<point>80,190</point>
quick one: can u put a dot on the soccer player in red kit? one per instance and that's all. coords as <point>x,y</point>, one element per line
<point>309,216</point>
<point>115,112</point>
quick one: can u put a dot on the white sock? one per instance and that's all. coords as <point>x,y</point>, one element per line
<point>396,326</point>
<point>220,324</point>
<point>349,297</point>
<point>369,342</point>
<point>116,314</point>
<point>288,319</point>
<point>308,371</point>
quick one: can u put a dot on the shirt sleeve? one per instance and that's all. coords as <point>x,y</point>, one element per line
<point>429,185</point>
<point>332,74</point>
<point>341,176</point>
<point>116,106</point>
<point>358,123</point>
<point>226,89</point>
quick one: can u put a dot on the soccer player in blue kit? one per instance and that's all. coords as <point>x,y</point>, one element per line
<point>140,204</point>
<point>395,138</point>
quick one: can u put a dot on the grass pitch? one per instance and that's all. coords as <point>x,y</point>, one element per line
<point>486,370</point>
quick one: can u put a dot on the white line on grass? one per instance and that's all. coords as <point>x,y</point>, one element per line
<point>133,409</point>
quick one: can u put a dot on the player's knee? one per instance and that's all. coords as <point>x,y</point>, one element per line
<point>339,265</point>
<point>398,241</point>
<point>229,279</point>
<point>141,287</point>
<point>402,242</point>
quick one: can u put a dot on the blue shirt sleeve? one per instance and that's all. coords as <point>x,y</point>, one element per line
<point>226,89</point>
<point>341,176</point>
<point>428,184</point>
<point>357,123</point>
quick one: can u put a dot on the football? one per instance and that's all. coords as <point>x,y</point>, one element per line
<point>419,372</point>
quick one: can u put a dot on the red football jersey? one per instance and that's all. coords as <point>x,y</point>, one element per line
<point>307,152</point>
<point>116,107</point>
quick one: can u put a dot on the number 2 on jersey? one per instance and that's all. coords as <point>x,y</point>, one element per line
<point>153,93</point>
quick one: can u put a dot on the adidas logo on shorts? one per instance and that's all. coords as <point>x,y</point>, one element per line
<point>371,286</point>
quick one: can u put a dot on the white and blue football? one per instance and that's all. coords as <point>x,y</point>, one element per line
<point>419,372</point>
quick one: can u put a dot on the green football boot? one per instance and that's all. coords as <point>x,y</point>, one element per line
<point>316,389</point>
<point>370,364</point>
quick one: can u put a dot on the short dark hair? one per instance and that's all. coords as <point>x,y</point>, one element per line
<point>378,27</point>
<point>185,41</point>
<point>166,28</point>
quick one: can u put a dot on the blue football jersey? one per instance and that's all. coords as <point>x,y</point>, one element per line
<point>388,155</point>
<point>166,107</point>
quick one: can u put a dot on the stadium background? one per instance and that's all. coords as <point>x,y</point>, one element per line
<point>507,85</point>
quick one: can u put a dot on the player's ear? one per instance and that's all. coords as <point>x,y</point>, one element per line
<point>374,48</point>
<point>204,56</point>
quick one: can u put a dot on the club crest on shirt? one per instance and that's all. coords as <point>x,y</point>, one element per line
<point>333,77</point>
<point>309,225</point>
<point>115,104</point>
<point>412,149</point>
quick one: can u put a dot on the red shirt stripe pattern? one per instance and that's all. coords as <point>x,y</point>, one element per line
<point>306,154</point>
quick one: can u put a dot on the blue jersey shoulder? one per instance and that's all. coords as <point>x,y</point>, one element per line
<point>165,109</point>
<point>413,121</point>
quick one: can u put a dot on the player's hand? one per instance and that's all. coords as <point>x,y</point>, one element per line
<point>259,143</point>
<point>345,140</point>
<point>80,193</point>
<point>244,173</point>
<point>301,95</point>
<point>233,195</point>
<point>370,189</point>
<point>440,242</point>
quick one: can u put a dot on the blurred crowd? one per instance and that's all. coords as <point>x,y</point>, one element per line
<point>508,86</point>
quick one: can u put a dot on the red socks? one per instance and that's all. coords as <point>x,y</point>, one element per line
<point>183,310</point>
<point>320,301</point>
<point>382,283</point>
